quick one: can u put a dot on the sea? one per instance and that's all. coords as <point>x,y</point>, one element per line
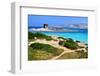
<point>81,36</point>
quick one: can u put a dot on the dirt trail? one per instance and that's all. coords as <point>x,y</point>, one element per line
<point>54,44</point>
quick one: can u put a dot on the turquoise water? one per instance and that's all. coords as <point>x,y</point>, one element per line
<point>80,36</point>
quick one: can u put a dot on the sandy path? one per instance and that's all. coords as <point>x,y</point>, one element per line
<point>54,44</point>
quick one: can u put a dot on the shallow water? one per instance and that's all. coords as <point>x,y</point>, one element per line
<point>80,36</point>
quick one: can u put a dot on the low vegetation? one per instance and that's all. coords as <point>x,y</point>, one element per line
<point>38,54</point>
<point>69,44</point>
<point>75,55</point>
<point>39,36</point>
<point>43,51</point>
<point>62,38</point>
<point>39,51</point>
<point>77,41</point>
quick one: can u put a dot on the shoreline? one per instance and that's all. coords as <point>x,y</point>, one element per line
<point>55,30</point>
<point>67,45</point>
<point>71,31</point>
<point>85,42</point>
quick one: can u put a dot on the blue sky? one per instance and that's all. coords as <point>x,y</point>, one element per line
<point>39,20</point>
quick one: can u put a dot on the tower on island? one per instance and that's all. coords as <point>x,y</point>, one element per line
<point>45,26</point>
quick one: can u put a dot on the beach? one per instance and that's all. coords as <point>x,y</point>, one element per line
<point>55,43</point>
<point>57,37</point>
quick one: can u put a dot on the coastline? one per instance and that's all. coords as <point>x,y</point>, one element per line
<point>54,42</point>
<point>63,32</point>
<point>55,30</point>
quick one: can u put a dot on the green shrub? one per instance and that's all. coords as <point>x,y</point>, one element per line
<point>45,47</point>
<point>62,43</point>
<point>86,44</point>
<point>70,39</point>
<point>39,51</point>
<point>86,48</point>
<point>30,35</point>
<point>49,38</point>
<point>77,41</point>
<point>69,44</point>
<point>39,35</point>
<point>62,38</point>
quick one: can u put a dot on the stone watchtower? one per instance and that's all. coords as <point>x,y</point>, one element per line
<point>45,26</point>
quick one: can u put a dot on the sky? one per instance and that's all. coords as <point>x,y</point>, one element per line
<point>39,20</point>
